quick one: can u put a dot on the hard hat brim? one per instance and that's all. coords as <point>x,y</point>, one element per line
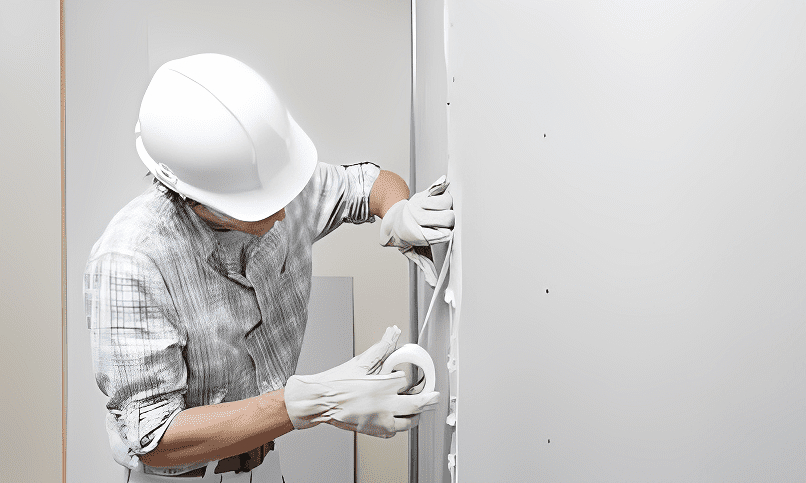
<point>256,204</point>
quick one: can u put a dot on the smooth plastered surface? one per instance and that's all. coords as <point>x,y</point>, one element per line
<point>30,243</point>
<point>633,260</point>
<point>431,142</point>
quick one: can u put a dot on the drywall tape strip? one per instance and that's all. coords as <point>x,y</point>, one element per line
<point>440,281</point>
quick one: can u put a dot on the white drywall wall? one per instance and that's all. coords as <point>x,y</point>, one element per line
<point>343,69</point>
<point>431,162</point>
<point>633,261</point>
<point>30,242</point>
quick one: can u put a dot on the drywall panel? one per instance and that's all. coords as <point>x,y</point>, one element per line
<point>343,68</point>
<point>632,256</point>
<point>431,161</point>
<point>324,452</point>
<point>430,94</point>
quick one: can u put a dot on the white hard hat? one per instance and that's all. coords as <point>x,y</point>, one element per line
<point>213,130</point>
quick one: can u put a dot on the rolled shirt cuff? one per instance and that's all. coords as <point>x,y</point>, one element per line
<point>363,176</point>
<point>127,446</point>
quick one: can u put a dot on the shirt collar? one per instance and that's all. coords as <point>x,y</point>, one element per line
<point>193,227</point>
<point>203,240</point>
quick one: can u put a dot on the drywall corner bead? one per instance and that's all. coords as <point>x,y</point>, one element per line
<point>452,465</point>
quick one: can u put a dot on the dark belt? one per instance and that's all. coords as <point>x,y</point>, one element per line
<point>239,463</point>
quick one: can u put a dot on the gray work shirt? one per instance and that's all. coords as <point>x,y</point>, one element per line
<point>180,320</point>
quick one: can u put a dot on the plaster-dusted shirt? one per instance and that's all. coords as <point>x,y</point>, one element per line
<point>182,317</point>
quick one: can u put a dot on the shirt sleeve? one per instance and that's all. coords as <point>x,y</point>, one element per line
<point>137,351</point>
<point>338,194</point>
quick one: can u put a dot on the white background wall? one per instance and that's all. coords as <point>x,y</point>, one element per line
<point>664,213</point>
<point>30,253</point>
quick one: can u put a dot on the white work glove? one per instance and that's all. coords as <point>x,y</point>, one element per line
<point>424,220</point>
<point>351,396</point>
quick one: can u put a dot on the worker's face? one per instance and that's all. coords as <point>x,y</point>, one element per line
<point>220,220</point>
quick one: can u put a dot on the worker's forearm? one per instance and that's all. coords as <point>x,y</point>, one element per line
<point>218,431</point>
<point>388,189</point>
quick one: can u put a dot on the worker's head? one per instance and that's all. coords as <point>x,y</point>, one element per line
<point>213,130</point>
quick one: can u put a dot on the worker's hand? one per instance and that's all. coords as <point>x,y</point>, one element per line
<point>371,360</point>
<point>351,396</point>
<point>424,220</point>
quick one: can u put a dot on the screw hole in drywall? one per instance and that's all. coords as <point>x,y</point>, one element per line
<point>544,134</point>
<point>549,441</point>
<point>547,290</point>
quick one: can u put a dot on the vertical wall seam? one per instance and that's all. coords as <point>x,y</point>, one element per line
<point>414,440</point>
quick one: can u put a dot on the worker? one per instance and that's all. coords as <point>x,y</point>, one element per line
<point>197,291</point>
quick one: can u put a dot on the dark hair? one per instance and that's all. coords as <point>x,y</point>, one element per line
<point>168,191</point>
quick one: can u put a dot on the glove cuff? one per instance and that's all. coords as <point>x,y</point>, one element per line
<point>387,237</point>
<point>303,402</point>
